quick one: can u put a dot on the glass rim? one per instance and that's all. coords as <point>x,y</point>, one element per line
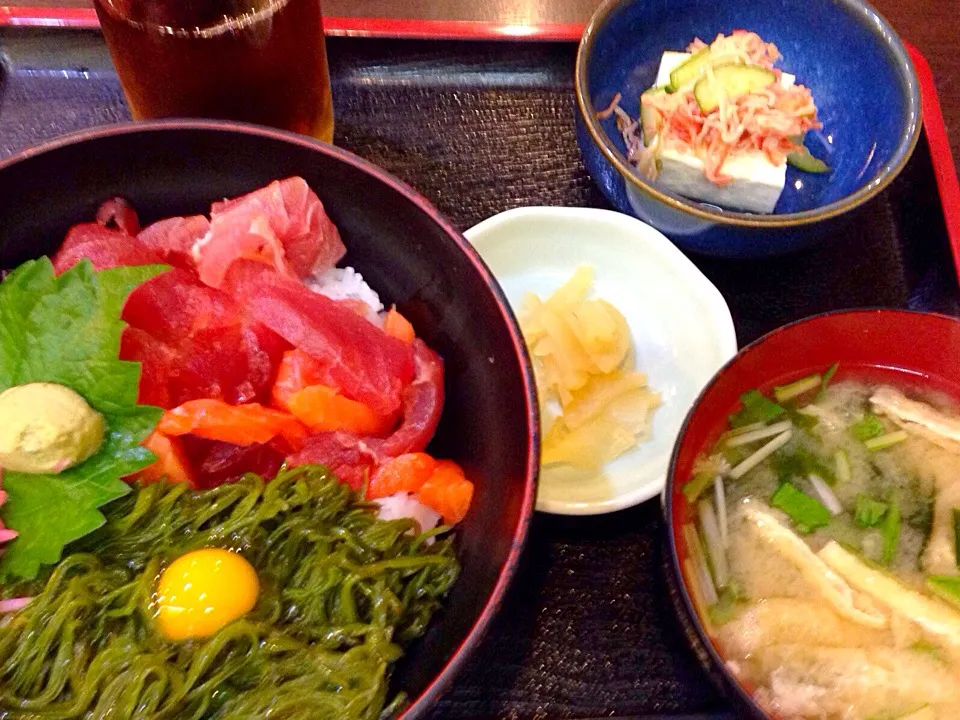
<point>224,24</point>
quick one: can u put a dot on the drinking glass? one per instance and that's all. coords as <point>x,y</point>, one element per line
<point>259,61</point>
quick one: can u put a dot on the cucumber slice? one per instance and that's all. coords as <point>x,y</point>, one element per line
<point>731,80</point>
<point>649,118</point>
<point>689,70</point>
<point>802,160</point>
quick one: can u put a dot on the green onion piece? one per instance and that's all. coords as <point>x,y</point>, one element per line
<point>869,512</point>
<point>786,393</point>
<point>735,455</point>
<point>842,462</point>
<point>956,536</point>
<point>737,432</point>
<point>807,513</point>
<point>891,531</point>
<point>869,427</point>
<point>727,607</point>
<point>700,482</point>
<point>756,408</point>
<point>885,441</point>
<point>710,534</point>
<point>802,420</point>
<point>827,377</point>
<point>945,587</point>
<point>696,552</point>
<point>800,463</point>
<point>767,431</point>
<point>760,455</point>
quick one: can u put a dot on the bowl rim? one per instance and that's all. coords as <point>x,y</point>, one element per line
<point>672,560</point>
<point>880,180</point>
<point>481,624</point>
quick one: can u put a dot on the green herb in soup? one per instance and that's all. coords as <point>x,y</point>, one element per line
<point>825,552</point>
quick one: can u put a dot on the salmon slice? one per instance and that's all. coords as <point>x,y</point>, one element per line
<point>237,424</point>
<point>172,463</point>
<point>406,473</point>
<point>448,492</point>
<point>396,325</point>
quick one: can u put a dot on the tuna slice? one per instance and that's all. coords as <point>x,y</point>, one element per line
<point>219,462</point>
<point>173,239</point>
<point>353,459</point>
<point>360,360</point>
<point>105,248</point>
<point>347,456</point>
<point>195,342</point>
<point>282,225</point>
<point>422,405</point>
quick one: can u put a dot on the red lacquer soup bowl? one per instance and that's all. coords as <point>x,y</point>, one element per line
<point>915,351</point>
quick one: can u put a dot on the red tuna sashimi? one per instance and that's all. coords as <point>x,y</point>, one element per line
<point>118,213</point>
<point>353,459</point>
<point>282,225</point>
<point>347,456</point>
<point>173,239</point>
<point>156,359</point>
<point>361,360</point>
<point>173,305</point>
<point>195,342</point>
<point>216,462</point>
<point>105,248</point>
<point>422,406</point>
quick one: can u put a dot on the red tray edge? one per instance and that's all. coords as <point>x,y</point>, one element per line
<point>944,166</point>
<point>86,18</point>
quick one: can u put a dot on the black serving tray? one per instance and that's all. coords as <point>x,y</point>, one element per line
<point>587,630</point>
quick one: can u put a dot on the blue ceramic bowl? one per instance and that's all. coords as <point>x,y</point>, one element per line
<point>857,68</point>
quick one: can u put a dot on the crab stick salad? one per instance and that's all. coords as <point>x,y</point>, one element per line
<point>263,354</point>
<point>722,122</point>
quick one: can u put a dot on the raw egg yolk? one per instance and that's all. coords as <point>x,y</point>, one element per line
<point>203,591</point>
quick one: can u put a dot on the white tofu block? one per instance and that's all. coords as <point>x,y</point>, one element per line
<point>756,184</point>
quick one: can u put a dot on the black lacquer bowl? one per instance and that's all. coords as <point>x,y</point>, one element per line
<point>406,251</point>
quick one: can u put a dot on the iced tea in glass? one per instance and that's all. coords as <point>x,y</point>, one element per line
<point>259,61</point>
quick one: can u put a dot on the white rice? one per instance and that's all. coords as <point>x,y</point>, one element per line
<point>406,505</point>
<point>347,284</point>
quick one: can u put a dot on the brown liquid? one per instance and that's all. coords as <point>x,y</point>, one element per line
<point>259,61</point>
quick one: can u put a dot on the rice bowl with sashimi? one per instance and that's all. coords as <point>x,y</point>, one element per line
<point>264,426</point>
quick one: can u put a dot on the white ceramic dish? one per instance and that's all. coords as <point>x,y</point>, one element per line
<point>681,328</point>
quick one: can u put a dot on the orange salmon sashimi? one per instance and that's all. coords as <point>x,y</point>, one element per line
<point>303,389</point>
<point>172,462</point>
<point>396,325</point>
<point>323,408</point>
<point>237,424</point>
<point>438,484</point>
<point>405,473</point>
<point>297,370</point>
<point>448,492</point>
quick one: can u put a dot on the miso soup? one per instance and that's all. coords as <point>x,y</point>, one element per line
<point>823,555</point>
